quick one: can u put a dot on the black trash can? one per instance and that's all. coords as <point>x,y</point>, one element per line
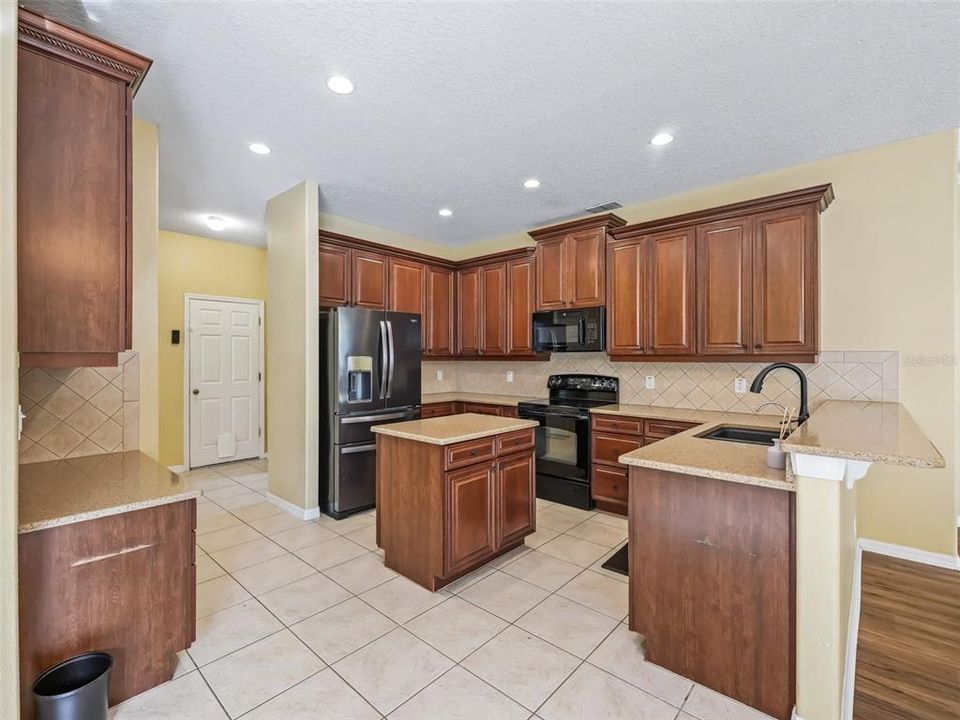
<point>76,689</point>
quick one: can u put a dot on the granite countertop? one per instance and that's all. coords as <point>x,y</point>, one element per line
<point>453,428</point>
<point>61,492</point>
<point>868,431</point>
<point>688,454</point>
<point>473,397</point>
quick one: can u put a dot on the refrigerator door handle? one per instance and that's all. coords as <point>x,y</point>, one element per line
<point>358,449</point>
<point>392,359</point>
<point>373,418</point>
<point>384,360</point>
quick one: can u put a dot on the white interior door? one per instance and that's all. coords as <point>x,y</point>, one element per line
<point>225,377</point>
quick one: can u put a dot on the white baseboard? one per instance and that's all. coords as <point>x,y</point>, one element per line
<point>178,469</point>
<point>942,560</point>
<point>295,510</point>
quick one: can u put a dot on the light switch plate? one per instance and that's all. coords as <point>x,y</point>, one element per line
<point>650,382</point>
<point>509,375</point>
<point>439,374</point>
<point>740,386</point>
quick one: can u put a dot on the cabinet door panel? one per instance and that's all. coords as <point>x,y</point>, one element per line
<point>586,268</point>
<point>551,274</point>
<point>481,408</point>
<point>515,498</point>
<point>724,297</point>
<point>670,294</point>
<point>439,312</point>
<point>406,285</point>
<point>369,280</point>
<point>493,297</point>
<point>469,521</point>
<point>520,285</point>
<point>334,276</point>
<point>785,281</point>
<point>626,298</point>
<point>468,311</point>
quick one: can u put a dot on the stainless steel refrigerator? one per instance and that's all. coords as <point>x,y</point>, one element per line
<point>369,375</point>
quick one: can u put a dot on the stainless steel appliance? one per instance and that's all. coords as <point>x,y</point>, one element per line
<point>580,330</point>
<point>369,375</point>
<point>563,437</point>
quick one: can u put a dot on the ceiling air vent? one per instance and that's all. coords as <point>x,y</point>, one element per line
<point>605,207</point>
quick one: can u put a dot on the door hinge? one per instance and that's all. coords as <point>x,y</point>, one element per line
<point>259,377</point>
<point>259,432</point>
<point>260,321</point>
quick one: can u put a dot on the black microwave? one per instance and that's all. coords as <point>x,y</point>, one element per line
<point>581,330</point>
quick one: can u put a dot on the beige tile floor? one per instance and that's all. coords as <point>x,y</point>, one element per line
<point>300,619</point>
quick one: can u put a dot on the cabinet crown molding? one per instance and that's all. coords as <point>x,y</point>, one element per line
<point>822,195</point>
<point>76,46</point>
<point>607,220</point>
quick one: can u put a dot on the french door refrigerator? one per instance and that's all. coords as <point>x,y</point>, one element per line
<point>369,375</point>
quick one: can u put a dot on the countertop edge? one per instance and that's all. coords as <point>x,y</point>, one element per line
<point>107,512</point>
<point>465,396</point>
<point>712,474</point>
<point>516,424</point>
<point>871,457</point>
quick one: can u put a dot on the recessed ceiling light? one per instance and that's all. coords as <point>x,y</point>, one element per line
<point>444,212</point>
<point>340,85</point>
<point>661,139</point>
<point>215,222</point>
<point>259,149</point>
<point>531,183</point>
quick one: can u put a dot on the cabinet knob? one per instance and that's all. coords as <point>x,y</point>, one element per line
<point>475,452</point>
<point>757,346</point>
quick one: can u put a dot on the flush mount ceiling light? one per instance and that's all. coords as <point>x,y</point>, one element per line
<point>215,222</point>
<point>661,139</point>
<point>531,183</point>
<point>340,85</point>
<point>444,212</point>
<point>259,149</point>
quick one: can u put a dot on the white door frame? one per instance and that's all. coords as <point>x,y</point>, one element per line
<point>187,297</point>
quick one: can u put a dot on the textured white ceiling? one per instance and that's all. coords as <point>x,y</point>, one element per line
<point>457,103</point>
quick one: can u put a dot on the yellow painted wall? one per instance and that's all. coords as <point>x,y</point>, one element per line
<point>9,665</point>
<point>191,264</point>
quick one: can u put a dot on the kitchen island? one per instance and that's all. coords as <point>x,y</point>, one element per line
<point>106,562</point>
<point>453,493</point>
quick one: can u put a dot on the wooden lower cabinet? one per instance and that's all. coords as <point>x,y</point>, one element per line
<point>440,409</point>
<point>712,587</point>
<point>481,408</point>
<point>124,584</point>
<point>443,511</point>
<point>455,407</point>
<point>615,435</point>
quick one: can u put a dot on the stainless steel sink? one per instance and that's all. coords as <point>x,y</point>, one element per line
<point>751,436</point>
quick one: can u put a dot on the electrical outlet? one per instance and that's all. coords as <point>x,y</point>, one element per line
<point>650,382</point>
<point>439,374</point>
<point>509,375</point>
<point>740,386</point>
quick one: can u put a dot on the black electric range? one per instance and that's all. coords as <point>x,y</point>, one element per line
<point>563,436</point>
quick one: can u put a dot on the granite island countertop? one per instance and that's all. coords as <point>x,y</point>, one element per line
<point>453,428</point>
<point>61,492</point>
<point>476,397</point>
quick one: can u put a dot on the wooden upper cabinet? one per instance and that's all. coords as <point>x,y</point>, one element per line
<point>406,285</point>
<point>570,262</point>
<point>671,296</point>
<point>370,280</point>
<point>551,274</point>
<point>626,306</point>
<point>521,299</point>
<point>785,281</point>
<point>334,275</point>
<point>439,306</point>
<point>493,298</point>
<point>724,290</point>
<point>74,194</point>
<point>468,311</point>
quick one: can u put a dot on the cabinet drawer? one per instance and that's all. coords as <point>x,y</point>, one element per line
<point>508,411</point>
<point>438,409</point>
<point>659,429</point>
<point>467,453</point>
<point>610,483</point>
<point>618,424</point>
<point>607,448</point>
<point>481,408</point>
<point>511,442</point>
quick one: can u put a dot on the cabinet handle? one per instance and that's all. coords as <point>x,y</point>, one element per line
<point>757,346</point>
<point>475,452</point>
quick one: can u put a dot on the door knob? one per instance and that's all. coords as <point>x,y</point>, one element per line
<point>196,391</point>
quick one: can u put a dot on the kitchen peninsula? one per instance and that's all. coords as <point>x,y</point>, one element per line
<point>453,493</point>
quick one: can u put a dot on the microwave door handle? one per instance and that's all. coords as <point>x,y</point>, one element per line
<point>393,359</point>
<point>581,330</point>
<point>384,359</point>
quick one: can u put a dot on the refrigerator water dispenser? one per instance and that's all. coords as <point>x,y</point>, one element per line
<point>359,378</point>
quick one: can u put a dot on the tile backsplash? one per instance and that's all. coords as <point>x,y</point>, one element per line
<point>71,412</point>
<point>841,375</point>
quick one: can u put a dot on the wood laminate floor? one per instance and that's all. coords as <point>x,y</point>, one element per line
<point>908,657</point>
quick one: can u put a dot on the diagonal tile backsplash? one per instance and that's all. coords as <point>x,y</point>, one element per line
<point>71,412</point>
<point>838,375</point>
